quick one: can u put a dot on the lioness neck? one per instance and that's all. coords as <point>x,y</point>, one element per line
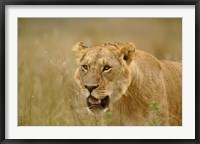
<point>133,107</point>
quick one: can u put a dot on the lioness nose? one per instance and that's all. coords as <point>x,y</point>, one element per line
<point>90,88</point>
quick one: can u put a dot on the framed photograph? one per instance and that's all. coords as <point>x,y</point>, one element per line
<point>100,72</point>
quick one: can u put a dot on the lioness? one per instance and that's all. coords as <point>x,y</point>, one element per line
<point>137,87</point>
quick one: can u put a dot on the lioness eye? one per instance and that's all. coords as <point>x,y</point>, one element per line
<point>85,67</point>
<point>106,67</point>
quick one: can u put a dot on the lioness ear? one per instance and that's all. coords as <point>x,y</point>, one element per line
<point>127,52</point>
<point>80,50</point>
<point>80,47</point>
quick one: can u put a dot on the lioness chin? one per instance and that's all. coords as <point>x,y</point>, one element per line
<point>128,82</point>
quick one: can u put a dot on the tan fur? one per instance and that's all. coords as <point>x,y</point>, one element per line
<point>135,81</point>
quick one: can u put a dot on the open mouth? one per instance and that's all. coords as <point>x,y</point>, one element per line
<point>93,102</point>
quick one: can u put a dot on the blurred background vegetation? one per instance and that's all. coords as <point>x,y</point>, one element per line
<point>47,93</point>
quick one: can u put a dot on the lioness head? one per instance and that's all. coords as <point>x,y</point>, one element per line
<point>104,74</point>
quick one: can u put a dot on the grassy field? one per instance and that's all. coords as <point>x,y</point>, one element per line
<point>47,93</point>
